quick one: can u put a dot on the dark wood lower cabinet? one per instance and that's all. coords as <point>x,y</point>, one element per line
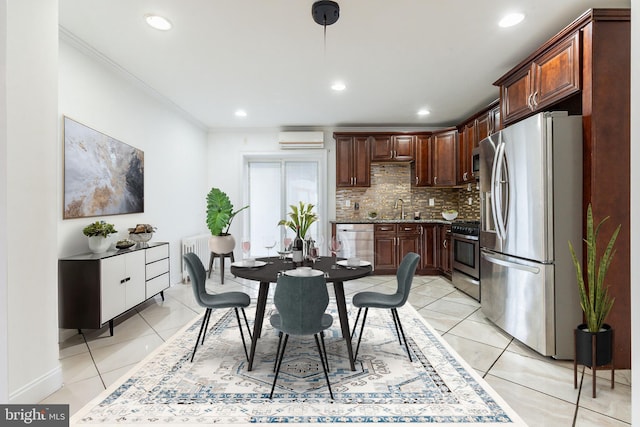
<point>393,241</point>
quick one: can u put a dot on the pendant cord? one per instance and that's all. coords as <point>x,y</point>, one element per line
<point>325,35</point>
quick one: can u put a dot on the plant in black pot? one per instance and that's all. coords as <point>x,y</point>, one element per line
<point>220,214</point>
<point>594,339</point>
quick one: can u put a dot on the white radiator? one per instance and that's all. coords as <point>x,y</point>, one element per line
<point>200,246</point>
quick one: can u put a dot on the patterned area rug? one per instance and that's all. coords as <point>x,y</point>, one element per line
<point>167,389</point>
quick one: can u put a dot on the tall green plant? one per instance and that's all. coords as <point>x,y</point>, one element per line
<point>220,212</point>
<point>595,300</point>
<point>300,216</point>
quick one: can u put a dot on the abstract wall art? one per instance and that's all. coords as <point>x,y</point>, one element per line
<point>102,176</point>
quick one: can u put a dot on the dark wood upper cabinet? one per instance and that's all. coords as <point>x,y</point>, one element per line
<point>392,148</point>
<point>552,76</point>
<point>443,152</point>
<point>423,175</point>
<point>353,165</point>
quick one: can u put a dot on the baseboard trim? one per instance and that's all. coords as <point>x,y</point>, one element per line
<point>38,389</point>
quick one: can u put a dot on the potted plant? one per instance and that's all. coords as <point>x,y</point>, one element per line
<point>301,217</point>
<point>98,236</point>
<point>220,214</point>
<point>594,337</point>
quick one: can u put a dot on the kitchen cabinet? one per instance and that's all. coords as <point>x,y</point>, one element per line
<point>397,148</point>
<point>422,167</point>
<point>548,78</point>
<point>429,249</point>
<point>443,152</point>
<point>470,133</point>
<point>392,242</point>
<point>353,163</point>
<point>93,289</point>
<point>445,250</point>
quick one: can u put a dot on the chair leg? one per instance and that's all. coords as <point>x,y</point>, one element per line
<point>244,344</point>
<point>394,312</point>
<point>281,356</point>
<point>395,323</point>
<point>324,349</point>
<point>275,363</point>
<point>202,327</point>
<point>246,322</point>
<point>324,367</point>
<point>356,322</point>
<point>364,319</point>
<point>211,258</point>
<point>207,325</point>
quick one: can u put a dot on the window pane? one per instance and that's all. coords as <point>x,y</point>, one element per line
<point>302,186</point>
<point>264,205</point>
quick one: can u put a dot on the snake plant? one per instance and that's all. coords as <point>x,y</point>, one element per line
<point>595,300</point>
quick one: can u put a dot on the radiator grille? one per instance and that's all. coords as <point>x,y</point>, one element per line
<point>195,244</point>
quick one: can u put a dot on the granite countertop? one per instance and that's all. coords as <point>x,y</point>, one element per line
<point>392,221</point>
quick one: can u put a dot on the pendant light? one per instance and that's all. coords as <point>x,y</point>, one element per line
<point>325,12</point>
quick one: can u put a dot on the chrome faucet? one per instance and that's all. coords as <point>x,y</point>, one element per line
<point>401,207</point>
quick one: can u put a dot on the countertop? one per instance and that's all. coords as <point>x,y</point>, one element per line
<point>391,221</point>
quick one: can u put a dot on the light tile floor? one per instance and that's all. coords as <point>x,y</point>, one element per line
<point>540,389</point>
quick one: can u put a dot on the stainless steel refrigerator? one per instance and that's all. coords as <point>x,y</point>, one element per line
<point>531,206</point>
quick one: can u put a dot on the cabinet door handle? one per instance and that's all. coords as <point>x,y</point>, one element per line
<point>417,181</point>
<point>464,176</point>
<point>444,244</point>
<point>534,99</point>
<point>435,180</point>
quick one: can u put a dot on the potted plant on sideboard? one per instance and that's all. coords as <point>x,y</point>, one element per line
<point>98,236</point>
<point>594,339</point>
<point>220,214</point>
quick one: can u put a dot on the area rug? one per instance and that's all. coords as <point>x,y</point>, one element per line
<point>167,389</point>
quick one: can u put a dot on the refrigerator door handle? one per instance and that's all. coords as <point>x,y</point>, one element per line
<point>510,264</point>
<point>497,200</point>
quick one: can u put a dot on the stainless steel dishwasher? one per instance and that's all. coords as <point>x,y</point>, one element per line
<point>357,241</point>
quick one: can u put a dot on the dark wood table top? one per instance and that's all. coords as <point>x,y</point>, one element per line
<point>270,272</point>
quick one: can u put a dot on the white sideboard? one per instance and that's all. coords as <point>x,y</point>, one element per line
<point>93,289</point>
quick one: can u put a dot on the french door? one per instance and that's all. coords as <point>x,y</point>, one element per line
<point>273,182</point>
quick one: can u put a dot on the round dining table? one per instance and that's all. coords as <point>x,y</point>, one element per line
<point>274,267</point>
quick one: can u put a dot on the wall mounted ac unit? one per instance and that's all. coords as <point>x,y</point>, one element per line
<point>301,140</point>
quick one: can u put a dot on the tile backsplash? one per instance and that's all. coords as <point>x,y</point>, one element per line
<point>392,181</point>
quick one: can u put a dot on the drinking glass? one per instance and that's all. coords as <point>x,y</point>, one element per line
<point>246,247</point>
<point>336,245</point>
<point>314,254</point>
<point>268,246</point>
<point>286,249</point>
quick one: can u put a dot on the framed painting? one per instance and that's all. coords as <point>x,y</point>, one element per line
<point>102,176</point>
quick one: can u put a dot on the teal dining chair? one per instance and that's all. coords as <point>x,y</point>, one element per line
<point>301,304</point>
<point>234,300</point>
<point>368,299</point>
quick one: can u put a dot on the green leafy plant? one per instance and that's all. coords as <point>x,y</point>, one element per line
<point>99,228</point>
<point>300,216</point>
<point>595,300</point>
<point>220,212</point>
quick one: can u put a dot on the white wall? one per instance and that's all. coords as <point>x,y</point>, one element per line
<point>4,381</point>
<point>96,94</point>
<point>31,102</point>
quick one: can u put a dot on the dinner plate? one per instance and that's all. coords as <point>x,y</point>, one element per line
<point>305,273</point>
<point>243,264</point>
<point>345,264</point>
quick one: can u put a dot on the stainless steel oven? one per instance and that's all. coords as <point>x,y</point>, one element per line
<point>466,257</point>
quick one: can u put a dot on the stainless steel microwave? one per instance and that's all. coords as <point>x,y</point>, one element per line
<point>475,162</point>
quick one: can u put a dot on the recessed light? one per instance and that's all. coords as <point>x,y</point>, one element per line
<point>158,22</point>
<point>241,113</point>
<point>424,112</point>
<point>338,86</point>
<point>511,19</point>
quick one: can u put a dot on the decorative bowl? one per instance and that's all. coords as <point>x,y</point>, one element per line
<point>450,216</point>
<point>140,237</point>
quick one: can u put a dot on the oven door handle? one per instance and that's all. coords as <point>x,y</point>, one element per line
<point>465,237</point>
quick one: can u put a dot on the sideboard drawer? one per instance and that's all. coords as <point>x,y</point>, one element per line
<point>157,252</point>
<point>157,268</point>
<point>157,285</point>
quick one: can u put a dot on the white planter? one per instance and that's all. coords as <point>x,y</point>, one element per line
<point>222,244</point>
<point>99,244</point>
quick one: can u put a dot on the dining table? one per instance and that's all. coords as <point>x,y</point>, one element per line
<point>267,270</point>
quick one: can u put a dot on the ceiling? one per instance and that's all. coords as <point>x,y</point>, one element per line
<point>271,59</point>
